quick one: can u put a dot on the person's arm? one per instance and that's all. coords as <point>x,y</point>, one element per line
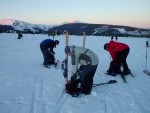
<point>51,49</point>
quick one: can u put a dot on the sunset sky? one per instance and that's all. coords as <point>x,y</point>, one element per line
<point>135,13</point>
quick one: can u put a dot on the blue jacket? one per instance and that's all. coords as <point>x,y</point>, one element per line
<point>48,44</point>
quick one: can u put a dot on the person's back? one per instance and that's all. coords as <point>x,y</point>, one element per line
<point>84,56</point>
<point>84,52</point>
<point>115,47</point>
<point>46,42</point>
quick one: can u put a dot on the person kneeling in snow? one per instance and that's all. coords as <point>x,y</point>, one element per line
<point>119,52</point>
<point>84,65</point>
<point>47,47</point>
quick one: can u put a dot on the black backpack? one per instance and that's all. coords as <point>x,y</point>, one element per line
<point>73,88</point>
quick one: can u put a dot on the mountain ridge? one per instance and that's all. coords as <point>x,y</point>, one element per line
<point>74,27</point>
<point>21,25</point>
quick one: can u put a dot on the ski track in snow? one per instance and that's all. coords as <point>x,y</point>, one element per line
<point>39,102</point>
<point>103,79</point>
<point>62,99</point>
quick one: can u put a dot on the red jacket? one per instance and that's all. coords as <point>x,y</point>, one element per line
<point>115,47</point>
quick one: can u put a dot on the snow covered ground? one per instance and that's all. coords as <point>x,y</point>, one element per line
<point>27,87</point>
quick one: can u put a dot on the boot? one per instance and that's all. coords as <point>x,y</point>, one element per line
<point>126,72</point>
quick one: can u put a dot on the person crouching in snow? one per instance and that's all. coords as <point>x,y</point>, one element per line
<point>119,52</point>
<point>84,64</point>
<point>47,47</point>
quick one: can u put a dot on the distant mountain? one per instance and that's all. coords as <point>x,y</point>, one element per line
<point>99,29</point>
<point>72,21</point>
<point>74,27</point>
<point>24,26</point>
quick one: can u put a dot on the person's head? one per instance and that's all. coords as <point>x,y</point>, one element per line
<point>67,50</point>
<point>106,46</point>
<point>56,42</point>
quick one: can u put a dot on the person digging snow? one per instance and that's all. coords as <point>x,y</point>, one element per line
<point>84,64</point>
<point>47,47</point>
<point>119,52</point>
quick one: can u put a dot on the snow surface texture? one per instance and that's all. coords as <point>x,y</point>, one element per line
<point>27,87</point>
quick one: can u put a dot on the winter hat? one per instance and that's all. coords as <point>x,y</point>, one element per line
<point>57,42</point>
<point>67,49</point>
<point>106,46</point>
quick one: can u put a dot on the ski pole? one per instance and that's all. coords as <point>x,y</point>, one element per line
<point>109,82</point>
<point>146,57</point>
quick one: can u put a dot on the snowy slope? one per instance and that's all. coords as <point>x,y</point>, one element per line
<point>20,25</point>
<point>27,87</point>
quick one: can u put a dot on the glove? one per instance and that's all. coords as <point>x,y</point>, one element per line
<point>73,77</point>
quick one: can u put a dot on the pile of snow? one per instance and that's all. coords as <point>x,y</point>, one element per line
<point>27,87</point>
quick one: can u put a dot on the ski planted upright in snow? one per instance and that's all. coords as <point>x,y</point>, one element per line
<point>65,62</point>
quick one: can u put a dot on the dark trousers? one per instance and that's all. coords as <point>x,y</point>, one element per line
<point>121,58</point>
<point>48,57</point>
<point>87,74</point>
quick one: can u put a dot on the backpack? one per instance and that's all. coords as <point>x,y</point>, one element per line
<point>73,88</point>
<point>76,87</point>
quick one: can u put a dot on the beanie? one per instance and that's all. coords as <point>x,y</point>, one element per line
<point>106,46</point>
<point>57,42</point>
